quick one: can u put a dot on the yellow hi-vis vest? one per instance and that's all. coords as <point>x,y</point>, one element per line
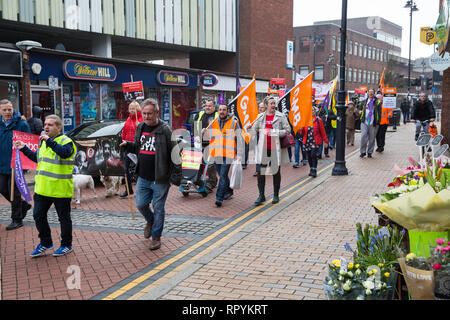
<point>223,143</point>
<point>53,174</point>
<point>198,123</point>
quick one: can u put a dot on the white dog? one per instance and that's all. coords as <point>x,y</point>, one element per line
<point>112,185</point>
<point>82,181</point>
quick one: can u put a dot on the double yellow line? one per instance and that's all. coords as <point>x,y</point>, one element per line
<point>197,245</point>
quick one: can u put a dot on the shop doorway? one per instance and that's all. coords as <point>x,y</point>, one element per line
<point>49,101</point>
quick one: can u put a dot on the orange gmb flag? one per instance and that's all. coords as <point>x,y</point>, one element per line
<point>245,107</point>
<point>297,104</point>
<point>381,84</point>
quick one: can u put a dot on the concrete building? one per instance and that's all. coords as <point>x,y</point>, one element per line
<point>191,37</point>
<point>373,44</point>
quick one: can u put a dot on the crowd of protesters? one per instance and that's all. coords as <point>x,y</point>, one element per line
<point>150,139</point>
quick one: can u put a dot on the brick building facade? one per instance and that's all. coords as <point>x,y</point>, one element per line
<point>368,52</point>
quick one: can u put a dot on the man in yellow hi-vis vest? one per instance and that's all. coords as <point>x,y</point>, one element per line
<point>53,184</point>
<point>203,120</point>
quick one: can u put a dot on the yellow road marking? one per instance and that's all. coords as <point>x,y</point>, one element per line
<point>179,256</point>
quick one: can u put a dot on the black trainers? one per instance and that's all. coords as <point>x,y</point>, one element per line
<point>125,195</point>
<point>369,155</point>
<point>362,155</point>
<point>219,203</point>
<point>14,225</point>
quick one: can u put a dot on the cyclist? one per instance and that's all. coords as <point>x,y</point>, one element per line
<point>423,113</point>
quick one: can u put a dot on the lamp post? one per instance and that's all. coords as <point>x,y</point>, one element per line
<point>412,7</point>
<point>339,168</point>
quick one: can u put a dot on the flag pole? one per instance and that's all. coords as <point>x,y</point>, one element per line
<point>12,184</point>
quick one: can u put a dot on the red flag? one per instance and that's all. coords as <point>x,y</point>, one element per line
<point>32,142</point>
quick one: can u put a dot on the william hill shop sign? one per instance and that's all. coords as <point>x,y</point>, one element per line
<point>82,70</point>
<point>172,78</point>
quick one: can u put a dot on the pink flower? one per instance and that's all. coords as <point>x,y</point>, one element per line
<point>440,241</point>
<point>446,249</point>
<point>437,266</point>
<point>438,248</point>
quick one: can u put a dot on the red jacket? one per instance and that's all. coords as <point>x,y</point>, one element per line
<point>319,132</point>
<point>129,129</point>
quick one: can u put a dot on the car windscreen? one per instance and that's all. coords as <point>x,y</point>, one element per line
<point>101,129</point>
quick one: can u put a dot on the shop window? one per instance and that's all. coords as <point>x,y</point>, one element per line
<point>108,102</point>
<point>90,101</point>
<point>9,90</point>
<point>183,102</point>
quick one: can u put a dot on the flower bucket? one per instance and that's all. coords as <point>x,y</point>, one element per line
<point>420,241</point>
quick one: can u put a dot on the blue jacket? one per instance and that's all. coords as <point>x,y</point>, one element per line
<point>6,134</point>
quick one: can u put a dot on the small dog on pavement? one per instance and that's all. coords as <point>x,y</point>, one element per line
<point>82,181</point>
<point>112,185</point>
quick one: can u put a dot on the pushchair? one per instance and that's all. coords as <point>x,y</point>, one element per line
<point>193,173</point>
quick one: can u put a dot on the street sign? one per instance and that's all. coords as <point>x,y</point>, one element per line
<point>289,54</point>
<point>439,63</point>
<point>423,140</point>
<point>440,151</point>
<point>427,35</point>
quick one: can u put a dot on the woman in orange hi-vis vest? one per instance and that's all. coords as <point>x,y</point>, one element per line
<point>223,150</point>
<point>386,114</point>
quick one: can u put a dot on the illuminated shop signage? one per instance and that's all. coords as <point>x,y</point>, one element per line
<point>209,80</point>
<point>75,69</point>
<point>171,78</point>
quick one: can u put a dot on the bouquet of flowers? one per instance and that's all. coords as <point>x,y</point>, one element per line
<point>440,263</point>
<point>350,281</point>
<point>419,200</point>
<point>377,245</point>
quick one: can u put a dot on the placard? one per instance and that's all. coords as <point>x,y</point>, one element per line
<point>133,90</point>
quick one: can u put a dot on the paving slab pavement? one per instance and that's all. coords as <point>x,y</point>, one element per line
<point>247,250</point>
<point>286,256</point>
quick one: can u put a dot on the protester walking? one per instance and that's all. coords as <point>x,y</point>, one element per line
<point>202,121</point>
<point>386,114</point>
<point>271,126</point>
<point>370,119</point>
<point>53,184</point>
<point>128,132</point>
<point>404,107</point>
<point>352,113</point>
<point>10,120</point>
<point>35,122</point>
<point>261,109</point>
<point>312,138</point>
<point>423,113</point>
<point>223,150</point>
<point>158,165</point>
<point>326,120</point>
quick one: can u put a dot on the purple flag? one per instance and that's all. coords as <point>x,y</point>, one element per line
<point>221,99</point>
<point>21,183</point>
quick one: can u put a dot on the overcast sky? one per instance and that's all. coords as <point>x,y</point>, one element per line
<point>308,11</point>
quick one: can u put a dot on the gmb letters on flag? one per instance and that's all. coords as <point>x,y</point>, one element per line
<point>296,105</point>
<point>245,107</point>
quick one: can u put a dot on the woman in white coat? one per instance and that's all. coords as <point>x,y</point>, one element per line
<point>271,126</point>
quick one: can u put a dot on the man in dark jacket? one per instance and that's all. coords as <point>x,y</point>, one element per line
<point>405,110</point>
<point>35,122</point>
<point>10,120</point>
<point>423,113</point>
<point>158,165</point>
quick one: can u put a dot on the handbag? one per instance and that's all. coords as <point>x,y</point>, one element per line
<point>236,175</point>
<point>288,140</point>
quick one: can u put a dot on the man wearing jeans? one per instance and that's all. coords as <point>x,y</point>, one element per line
<point>223,149</point>
<point>155,168</point>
